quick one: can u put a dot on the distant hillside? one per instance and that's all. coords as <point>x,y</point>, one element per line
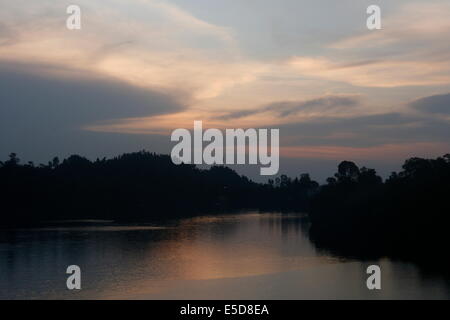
<point>131,187</point>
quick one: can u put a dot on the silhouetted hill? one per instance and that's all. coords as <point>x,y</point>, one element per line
<point>132,187</point>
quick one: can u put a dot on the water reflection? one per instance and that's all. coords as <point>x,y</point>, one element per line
<point>252,256</point>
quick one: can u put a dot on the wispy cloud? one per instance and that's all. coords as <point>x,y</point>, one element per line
<point>437,104</point>
<point>409,25</point>
<point>410,50</point>
<point>386,152</point>
<point>155,44</point>
<point>387,73</point>
<point>283,109</point>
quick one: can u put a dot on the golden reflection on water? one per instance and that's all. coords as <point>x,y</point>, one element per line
<point>221,247</point>
<point>242,256</point>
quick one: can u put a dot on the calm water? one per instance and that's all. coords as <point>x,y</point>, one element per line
<point>248,256</point>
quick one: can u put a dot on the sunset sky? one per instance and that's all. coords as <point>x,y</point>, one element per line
<point>139,69</point>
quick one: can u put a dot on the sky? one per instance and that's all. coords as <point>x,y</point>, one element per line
<point>138,69</point>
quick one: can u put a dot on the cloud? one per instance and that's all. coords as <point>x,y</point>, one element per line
<point>239,114</point>
<point>386,152</point>
<point>411,24</point>
<point>410,50</point>
<point>382,73</point>
<point>382,137</point>
<point>283,109</point>
<point>319,105</point>
<point>155,44</point>
<point>366,131</point>
<point>36,98</point>
<point>44,110</point>
<point>7,36</point>
<point>437,104</point>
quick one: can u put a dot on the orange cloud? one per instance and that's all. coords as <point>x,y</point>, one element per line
<point>381,152</point>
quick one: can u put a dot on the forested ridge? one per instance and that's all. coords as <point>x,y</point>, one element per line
<point>134,187</point>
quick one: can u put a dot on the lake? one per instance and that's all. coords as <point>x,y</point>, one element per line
<point>234,256</point>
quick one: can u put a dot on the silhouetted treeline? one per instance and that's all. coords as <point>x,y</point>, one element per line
<point>407,216</point>
<point>136,186</point>
<point>354,213</point>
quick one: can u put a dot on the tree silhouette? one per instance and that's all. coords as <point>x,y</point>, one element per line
<point>347,171</point>
<point>13,160</point>
<point>406,216</point>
